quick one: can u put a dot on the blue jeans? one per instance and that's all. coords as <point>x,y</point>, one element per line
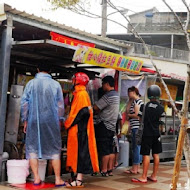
<point>137,158</point>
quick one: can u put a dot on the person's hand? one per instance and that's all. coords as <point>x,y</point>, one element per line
<point>119,135</point>
<point>25,126</point>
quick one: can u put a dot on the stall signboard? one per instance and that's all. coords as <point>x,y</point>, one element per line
<point>69,41</point>
<point>106,59</point>
<point>172,89</point>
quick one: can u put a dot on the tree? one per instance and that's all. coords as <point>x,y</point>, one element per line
<point>183,142</point>
<point>81,7</point>
<point>68,4</point>
<point>63,3</point>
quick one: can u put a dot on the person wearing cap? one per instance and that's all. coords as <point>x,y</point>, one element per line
<point>82,157</point>
<point>151,135</point>
<point>42,110</point>
<point>107,109</point>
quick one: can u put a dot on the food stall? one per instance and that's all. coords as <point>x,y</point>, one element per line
<point>26,41</point>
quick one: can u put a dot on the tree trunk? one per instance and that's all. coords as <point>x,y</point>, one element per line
<point>179,153</point>
<point>182,135</point>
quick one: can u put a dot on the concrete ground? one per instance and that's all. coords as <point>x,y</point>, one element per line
<point>122,181</point>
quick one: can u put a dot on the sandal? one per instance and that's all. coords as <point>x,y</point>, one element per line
<point>116,166</point>
<point>60,185</point>
<point>136,180</point>
<point>110,173</point>
<point>94,174</point>
<point>69,185</point>
<point>70,180</point>
<point>130,172</point>
<point>151,179</point>
<point>104,174</point>
<point>37,184</point>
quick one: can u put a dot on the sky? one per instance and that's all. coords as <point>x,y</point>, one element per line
<point>42,8</point>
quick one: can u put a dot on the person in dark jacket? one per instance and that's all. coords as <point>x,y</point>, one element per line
<point>151,134</point>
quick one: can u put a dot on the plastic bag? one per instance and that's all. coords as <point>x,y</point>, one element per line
<point>125,128</point>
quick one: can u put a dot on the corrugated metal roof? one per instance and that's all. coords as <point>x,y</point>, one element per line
<point>108,41</point>
<point>170,75</point>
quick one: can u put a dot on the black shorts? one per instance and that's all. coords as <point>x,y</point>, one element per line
<point>104,140</point>
<point>105,147</point>
<point>151,143</point>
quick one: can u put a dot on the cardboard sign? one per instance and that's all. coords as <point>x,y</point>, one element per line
<point>171,88</point>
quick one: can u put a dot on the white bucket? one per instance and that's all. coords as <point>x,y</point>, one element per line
<point>17,171</point>
<point>41,169</point>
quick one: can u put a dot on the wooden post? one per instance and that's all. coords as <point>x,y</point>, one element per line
<point>179,153</point>
<point>182,133</point>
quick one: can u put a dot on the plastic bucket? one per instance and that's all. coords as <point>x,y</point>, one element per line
<point>17,171</point>
<point>123,153</point>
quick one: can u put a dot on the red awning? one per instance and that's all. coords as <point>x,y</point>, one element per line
<point>171,75</point>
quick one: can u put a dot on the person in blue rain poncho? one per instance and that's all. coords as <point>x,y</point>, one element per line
<point>42,109</point>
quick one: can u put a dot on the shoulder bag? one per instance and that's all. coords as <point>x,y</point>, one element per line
<point>139,134</point>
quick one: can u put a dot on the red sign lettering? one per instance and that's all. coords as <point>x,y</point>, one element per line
<point>113,60</point>
<point>90,56</point>
<point>70,41</point>
<point>119,61</point>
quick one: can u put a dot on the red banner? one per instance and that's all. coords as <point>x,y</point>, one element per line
<point>70,41</point>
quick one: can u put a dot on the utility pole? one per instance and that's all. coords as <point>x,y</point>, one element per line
<point>104,18</point>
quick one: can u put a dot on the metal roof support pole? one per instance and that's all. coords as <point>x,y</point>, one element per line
<point>5,53</point>
<point>172,46</point>
<point>119,90</point>
<point>119,78</point>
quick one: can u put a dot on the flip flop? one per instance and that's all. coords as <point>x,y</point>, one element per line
<point>150,179</point>
<point>110,172</point>
<point>130,172</point>
<point>138,180</point>
<point>104,174</point>
<point>37,184</point>
<point>116,166</point>
<point>60,185</point>
<point>94,174</point>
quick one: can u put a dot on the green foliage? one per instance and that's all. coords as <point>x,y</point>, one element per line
<point>123,104</point>
<point>63,3</point>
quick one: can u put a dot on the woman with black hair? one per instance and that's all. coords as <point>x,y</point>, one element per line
<point>133,116</point>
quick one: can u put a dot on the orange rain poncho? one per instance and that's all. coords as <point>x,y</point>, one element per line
<point>81,143</point>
